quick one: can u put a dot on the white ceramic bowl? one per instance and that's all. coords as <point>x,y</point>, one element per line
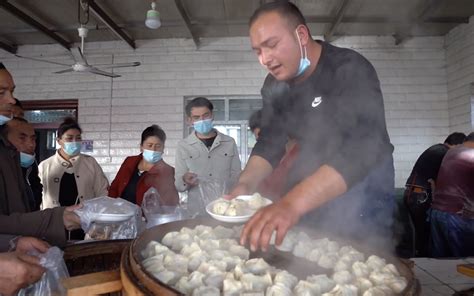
<point>233,219</point>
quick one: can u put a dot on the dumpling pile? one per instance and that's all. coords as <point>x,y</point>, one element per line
<point>238,207</point>
<point>209,261</point>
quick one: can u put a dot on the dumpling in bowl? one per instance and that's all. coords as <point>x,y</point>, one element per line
<point>256,201</point>
<point>220,206</point>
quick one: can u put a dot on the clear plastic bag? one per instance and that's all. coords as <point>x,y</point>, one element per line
<point>205,192</point>
<point>50,282</point>
<point>156,213</point>
<point>109,218</point>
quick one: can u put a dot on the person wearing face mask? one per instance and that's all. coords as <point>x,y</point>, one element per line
<point>22,135</point>
<point>148,169</point>
<point>206,154</point>
<point>69,177</point>
<point>329,100</point>
<point>16,216</point>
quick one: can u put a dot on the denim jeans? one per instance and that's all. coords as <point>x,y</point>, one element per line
<point>451,235</point>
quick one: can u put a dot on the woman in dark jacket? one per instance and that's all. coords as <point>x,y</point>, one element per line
<point>138,173</point>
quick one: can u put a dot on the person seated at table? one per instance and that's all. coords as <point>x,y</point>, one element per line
<point>148,169</point>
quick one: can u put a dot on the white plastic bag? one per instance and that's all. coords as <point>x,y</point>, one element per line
<point>109,218</point>
<point>50,282</point>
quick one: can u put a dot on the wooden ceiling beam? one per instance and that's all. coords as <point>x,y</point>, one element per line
<point>110,23</point>
<point>187,21</point>
<point>34,23</point>
<point>8,47</point>
<point>328,36</point>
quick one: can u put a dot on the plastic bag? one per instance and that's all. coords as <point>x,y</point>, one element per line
<point>109,218</point>
<point>50,283</point>
<point>156,213</point>
<point>205,192</point>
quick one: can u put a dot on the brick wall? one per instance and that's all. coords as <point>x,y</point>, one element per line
<point>460,77</point>
<point>113,114</point>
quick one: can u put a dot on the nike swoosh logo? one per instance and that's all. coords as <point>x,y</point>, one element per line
<point>316,102</point>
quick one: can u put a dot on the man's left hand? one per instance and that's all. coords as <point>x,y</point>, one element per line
<point>278,217</point>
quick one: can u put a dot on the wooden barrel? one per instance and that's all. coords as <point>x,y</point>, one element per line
<point>94,256</point>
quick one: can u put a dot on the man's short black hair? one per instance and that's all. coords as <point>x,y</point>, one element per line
<point>255,120</point>
<point>286,9</point>
<point>198,102</point>
<point>67,124</point>
<point>455,138</point>
<point>153,131</point>
<point>470,137</point>
<point>2,67</point>
<point>6,127</point>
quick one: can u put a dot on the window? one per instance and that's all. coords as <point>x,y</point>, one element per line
<point>46,116</point>
<point>231,114</point>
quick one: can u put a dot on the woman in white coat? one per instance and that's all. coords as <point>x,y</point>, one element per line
<point>69,177</point>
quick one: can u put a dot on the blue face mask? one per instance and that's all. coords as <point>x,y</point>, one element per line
<point>203,126</point>
<point>72,148</point>
<point>304,61</point>
<point>151,156</point>
<point>4,119</point>
<point>26,160</point>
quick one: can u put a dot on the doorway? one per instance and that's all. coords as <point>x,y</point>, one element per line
<point>46,116</point>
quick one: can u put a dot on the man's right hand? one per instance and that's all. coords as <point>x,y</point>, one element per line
<point>190,178</point>
<point>239,189</point>
<point>71,220</point>
<point>18,271</point>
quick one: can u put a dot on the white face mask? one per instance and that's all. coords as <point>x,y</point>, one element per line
<point>304,61</point>
<point>4,119</point>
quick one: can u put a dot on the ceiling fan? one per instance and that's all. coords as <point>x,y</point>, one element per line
<point>80,61</point>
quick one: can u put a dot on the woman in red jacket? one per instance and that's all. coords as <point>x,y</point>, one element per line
<point>138,173</point>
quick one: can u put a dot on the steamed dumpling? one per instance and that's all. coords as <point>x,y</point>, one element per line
<point>325,284</point>
<point>232,287</point>
<point>220,206</point>
<point>256,201</point>
<point>278,290</point>
<point>360,269</point>
<point>286,279</point>
<point>252,282</point>
<point>305,288</point>
<point>206,291</point>
<point>343,277</point>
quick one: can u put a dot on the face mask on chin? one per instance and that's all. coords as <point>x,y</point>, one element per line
<point>4,119</point>
<point>304,61</point>
<point>26,160</point>
<point>203,126</point>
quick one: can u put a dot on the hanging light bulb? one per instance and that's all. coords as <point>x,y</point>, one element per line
<point>153,17</point>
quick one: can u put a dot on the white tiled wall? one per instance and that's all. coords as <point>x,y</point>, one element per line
<point>113,113</point>
<point>460,76</point>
